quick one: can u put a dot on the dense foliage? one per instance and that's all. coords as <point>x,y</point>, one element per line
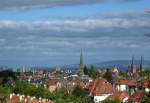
<point>146,98</point>
<point>5,90</point>
<point>29,89</point>
<point>78,92</point>
<point>7,76</point>
<point>147,74</point>
<point>93,72</point>
<point>85,70</point>
<point>108,76</point>
<point>77,96</point>
<point>61,96</point>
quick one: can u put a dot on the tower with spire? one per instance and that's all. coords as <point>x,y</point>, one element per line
<point>133,66</point>
<point>142,65</point>
<point>81,66</point>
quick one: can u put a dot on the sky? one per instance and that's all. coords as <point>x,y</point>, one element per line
<point>53,32</point>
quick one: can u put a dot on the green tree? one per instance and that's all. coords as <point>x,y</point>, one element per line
<point>108,76</point>
<point>5,90</point>
<point>77,96</point>
<point>93,72</point>
<point>62,93</point>
<point>29,89</point>
<point>146,98</point>
<point>85,70</point>
<point>78,92</point>
<point>147,74</point>
<point>7,76</point>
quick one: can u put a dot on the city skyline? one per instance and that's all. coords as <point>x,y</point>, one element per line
<point>50,33</point>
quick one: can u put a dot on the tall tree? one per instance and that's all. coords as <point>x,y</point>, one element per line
<point>93,72</point>
<point>85,70</point>
<point>7,76</point>
<point>78,92</point>
<point>108,76</point>
<point>146,98</point>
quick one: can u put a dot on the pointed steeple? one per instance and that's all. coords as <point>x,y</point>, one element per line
<point>81,64</point>
<point>132,59</point>
<point>81,58</point>
<point>141,60</point>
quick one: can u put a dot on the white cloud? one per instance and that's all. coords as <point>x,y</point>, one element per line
<point>114,35</point>
<point>76,25</point>
<point>27,4</point>
<point>147,10</point>
<point>2,40</point>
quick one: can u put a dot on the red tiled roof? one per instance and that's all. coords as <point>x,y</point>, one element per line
<point>14,99</point>
<point>33,101</point>
<point>121,95</point>
<point>52,82</point>
<point>123,82</point>
<point>136,97</point>
<point>101,86</point>
<point>37,101</point>
<point>128,82</point>
<point>146,83</point>
<point>132,83</point>
<point>89,87</point>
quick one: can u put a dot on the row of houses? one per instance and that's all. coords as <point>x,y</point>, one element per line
<point>100,89</point>
<point>13,98</point>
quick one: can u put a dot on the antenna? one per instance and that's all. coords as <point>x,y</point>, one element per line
<point>141,59</point>
<point>133,59</point>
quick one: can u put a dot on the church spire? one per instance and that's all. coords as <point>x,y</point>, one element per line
<point>133,59</point>
<point>81,71</point>
<point>141,60</point>
<point>81,58</point>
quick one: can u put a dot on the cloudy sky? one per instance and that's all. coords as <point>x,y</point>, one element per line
<point>53,32</point>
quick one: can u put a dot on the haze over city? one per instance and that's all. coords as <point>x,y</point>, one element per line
<point>50,33</point>
<point>74,51</point>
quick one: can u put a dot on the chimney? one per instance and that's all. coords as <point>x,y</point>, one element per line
<point>40,99</point>
<point>43,100</point>
<point>28,96</point>
<point>34,97</point>
<point>10,96</point>
<point>25,100</point>
<point>31,98</point>
<point>20,97</point>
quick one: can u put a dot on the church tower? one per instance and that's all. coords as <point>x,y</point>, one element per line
<point>142,65</point>
<point>81,67</point>
<point>133,66</point>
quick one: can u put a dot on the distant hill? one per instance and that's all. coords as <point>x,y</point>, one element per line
<point>121,64</point>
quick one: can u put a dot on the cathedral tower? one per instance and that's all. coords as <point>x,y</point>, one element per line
<point>133,66</point>
<point>142,65</point>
